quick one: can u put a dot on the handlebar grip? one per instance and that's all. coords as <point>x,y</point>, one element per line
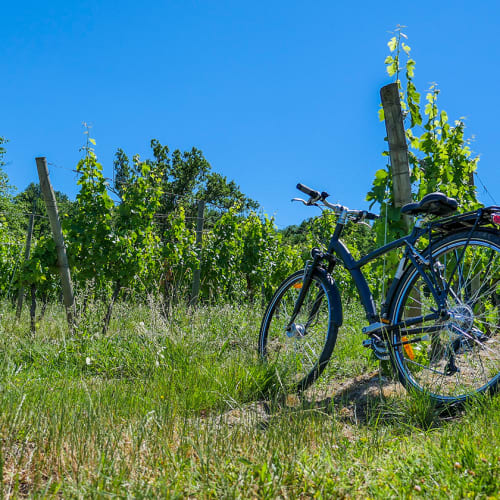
<point>310,192</point>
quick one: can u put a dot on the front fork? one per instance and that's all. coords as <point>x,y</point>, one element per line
<point>317,258</point>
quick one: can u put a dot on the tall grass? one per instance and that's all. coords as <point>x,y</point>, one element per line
<point>177,407</point>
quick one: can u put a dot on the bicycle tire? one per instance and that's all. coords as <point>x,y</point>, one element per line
<point>298,357</point>
<point>462,358</point>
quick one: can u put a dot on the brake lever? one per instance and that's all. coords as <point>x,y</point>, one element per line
<point>308,204</point>
<point>360,219</point>
<point>300,199</point>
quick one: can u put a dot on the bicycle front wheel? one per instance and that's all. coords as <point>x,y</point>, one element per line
<point>299,354</point>
<point>458,355</point>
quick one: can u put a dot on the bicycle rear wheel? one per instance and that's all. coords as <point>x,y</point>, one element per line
<point>459,356</point>
<point>298,356</point>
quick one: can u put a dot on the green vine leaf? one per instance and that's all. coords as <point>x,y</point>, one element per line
<point>391,69</point>
<point>440,157</point>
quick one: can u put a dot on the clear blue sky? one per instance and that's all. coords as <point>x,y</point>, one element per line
<point>273,92</point>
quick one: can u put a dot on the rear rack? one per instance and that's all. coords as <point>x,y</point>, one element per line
<point>466,220</point>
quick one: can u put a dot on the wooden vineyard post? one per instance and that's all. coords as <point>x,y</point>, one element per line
<point>199,240</point>
<point>55,224</point>
<point>398,149</point>
<point>29,235</point>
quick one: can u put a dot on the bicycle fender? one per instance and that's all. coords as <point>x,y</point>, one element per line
<point>333,297</point>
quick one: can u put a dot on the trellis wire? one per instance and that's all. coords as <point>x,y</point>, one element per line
<point>485,188</point>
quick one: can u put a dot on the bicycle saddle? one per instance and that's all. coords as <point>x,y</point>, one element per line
<point>431,204</point>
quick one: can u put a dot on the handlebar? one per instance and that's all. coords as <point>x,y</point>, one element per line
<point>370,216</point>
<point>315,196</point>
<point>307,190</point>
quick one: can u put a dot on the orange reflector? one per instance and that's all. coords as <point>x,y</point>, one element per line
<point>408,348</point>
<point>297,285</point>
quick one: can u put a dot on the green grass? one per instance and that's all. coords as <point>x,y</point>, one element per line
<point>174,408</point>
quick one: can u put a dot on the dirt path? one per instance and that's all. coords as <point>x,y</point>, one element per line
<point>350,400</point>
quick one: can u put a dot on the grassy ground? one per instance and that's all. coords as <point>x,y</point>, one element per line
<point>174,408</point>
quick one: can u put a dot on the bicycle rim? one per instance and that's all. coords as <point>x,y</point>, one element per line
<point>298,356</point>
<point>462,356</point>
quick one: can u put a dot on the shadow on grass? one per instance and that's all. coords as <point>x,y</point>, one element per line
<point>367,400</point>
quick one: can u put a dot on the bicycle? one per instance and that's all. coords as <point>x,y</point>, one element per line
<point>439,323</point>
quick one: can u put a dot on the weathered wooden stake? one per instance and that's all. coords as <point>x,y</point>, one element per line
<point>398,149</point>
<point>55,224</point>
<point>199,239</point>
<point>29,235</point>
<point>33,309</point>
